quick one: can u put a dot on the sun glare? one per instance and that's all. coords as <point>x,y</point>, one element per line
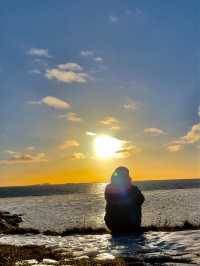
<point>107,147</point>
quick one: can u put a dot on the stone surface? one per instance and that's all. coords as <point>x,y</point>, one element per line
<point>105,256</point>
<point>31,262</point>
<point>9,222</point>
<point>50,261</point>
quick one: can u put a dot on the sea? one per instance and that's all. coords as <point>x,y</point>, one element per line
<point>60,207</point>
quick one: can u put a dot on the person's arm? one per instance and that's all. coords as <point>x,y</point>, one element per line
<point>106,194</point>
<point>139,196</point>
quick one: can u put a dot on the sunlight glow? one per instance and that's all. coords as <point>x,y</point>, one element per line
<point>106,146</point>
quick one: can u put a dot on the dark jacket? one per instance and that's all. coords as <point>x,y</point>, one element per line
<point>123,208</point>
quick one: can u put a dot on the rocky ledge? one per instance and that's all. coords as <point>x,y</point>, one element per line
<point>9,222</point>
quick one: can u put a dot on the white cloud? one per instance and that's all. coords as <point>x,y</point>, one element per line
<point>87,53</point>
<point>35,71</point>
<point>78,156</point>
<point>67,76</point>
<point>98,59</point>
<point>137,14</point>
<point>52,102</point>
<point>131,105</point>
<point>69,144</point>
<point>22,158</point>
<point>111,121</point>
<point>39,52</point>
<point>113,18</point>
<point>192,136</point>
<point>153,131</point>
<point>70,66</point>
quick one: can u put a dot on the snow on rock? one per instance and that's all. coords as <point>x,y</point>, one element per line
<point>50,261</point>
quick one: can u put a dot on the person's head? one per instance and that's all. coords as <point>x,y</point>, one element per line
<point>120,177</point>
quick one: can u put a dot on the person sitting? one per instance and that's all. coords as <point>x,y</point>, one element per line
<point>123,203</point>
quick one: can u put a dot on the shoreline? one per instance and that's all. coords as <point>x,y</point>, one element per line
<point>88,246</point>
<point>41,255</point>
<point>10,224</point>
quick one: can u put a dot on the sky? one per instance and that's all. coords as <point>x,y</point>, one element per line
<point>86,86</point>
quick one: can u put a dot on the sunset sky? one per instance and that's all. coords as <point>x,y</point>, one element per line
<point>86,86</point>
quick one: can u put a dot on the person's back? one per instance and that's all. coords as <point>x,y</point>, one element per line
<point>123,203</point>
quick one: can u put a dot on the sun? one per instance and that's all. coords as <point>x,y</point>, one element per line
<point>106,146</point>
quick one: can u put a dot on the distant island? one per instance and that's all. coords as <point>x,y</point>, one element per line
<point>60,189</point>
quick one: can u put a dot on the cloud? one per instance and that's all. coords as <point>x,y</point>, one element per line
<point>78,156</point>
<point>52,102</point>
<point>128,150</point>
<point>153,131</point>
<point>30,148</point>
<point>137,14</point>
<point>72,117</point>
<point>35,71</point>
<point>70,66</point>
<point>113,18</point>
<point>174,147</point>
<point>89,133</point>
<point>40,62</point>
<point>39,52</point>
<point>111,122</point>
<point>22,158</point>
<point>192,136</point>
<point>131,105</point>
<point>98,59</point>
<point>87,53</point>
<point>55,102</point>
<point>199,111</point>
<point>69,144</point>
<point>66,75</point>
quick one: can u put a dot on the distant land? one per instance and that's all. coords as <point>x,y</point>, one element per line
<point>60,189</point>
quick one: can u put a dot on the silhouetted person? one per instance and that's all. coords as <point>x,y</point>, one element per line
<point>123,203</point>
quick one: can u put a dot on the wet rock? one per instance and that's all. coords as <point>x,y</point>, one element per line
<point>9,222</point>
<point>5,226</point>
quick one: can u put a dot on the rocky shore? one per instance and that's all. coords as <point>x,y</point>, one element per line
<point>24,247</point>
<point>9,222</point>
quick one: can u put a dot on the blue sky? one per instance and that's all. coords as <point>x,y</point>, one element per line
<point>133,61</point>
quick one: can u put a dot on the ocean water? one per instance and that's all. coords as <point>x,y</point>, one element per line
<point>86,208</point>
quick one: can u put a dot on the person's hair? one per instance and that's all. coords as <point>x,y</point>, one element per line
<point>120,177</point>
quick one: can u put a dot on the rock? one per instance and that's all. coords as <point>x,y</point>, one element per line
<point>84,257</point>
<point>178,264</point>
<point>5,226</point>
<point>77,254</point>
<point>105,256</point>
<point>9,222</point>
<point>50,261</point>
<point>42,264</point>
<point>30,262</point>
